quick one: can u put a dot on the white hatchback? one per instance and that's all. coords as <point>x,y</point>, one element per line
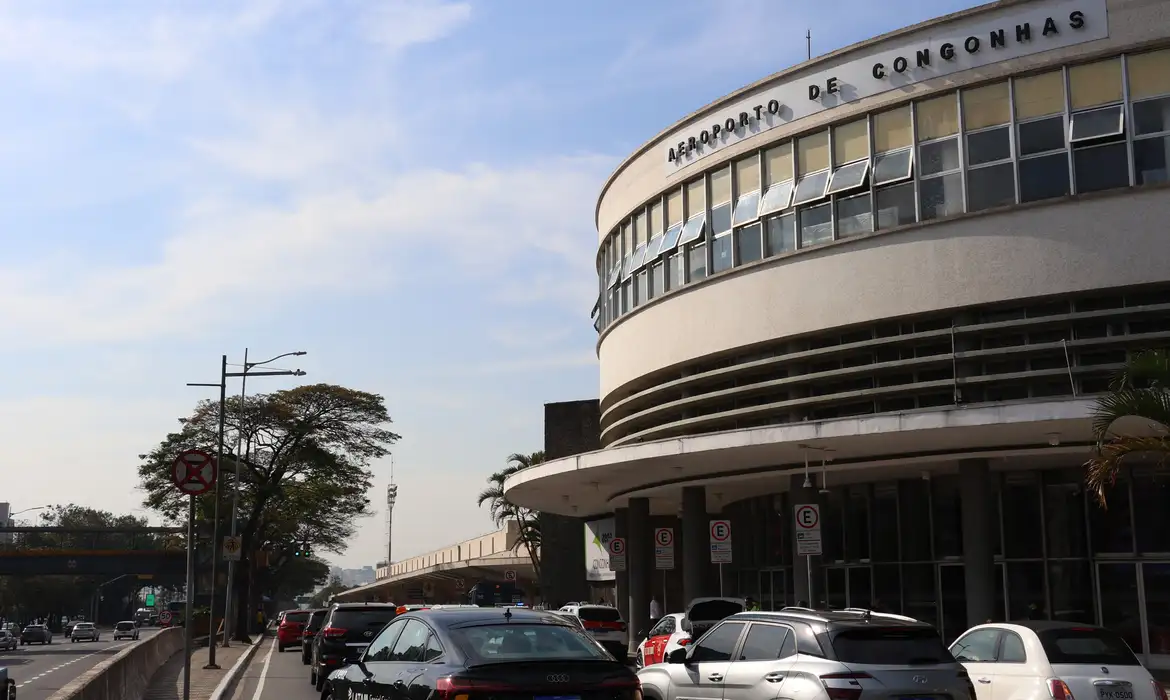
<point>1046,660</point>
<point>606,626</point>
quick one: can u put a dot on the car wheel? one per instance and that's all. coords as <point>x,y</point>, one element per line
<point>320,682</point>
<point>638,663</point>
<point>305,659</point>
<point>313,675</point>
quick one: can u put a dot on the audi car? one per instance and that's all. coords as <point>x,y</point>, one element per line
<point>498,652</point>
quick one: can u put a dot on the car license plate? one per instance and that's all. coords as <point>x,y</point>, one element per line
<point>1114,693</point>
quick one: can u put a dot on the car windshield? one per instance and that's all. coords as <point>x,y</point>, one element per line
<point>362,619</point>
<point>520,642</point>
<point>1086,645</point>
<point>599,614</point>
<point>84,625</point>
<point>125,625</point>
<point>713,610</point>
<point>315,620</point>
<point>297,617</point>
<point>891,647</point>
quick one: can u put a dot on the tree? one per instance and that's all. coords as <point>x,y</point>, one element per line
<point>1142,390</point>
<point>305,479</point>
<point>297,576</point>
<point>501,510</point>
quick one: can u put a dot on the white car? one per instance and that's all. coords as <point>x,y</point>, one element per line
<point>663,638</point>
<point>605,624</point>
<point>125,629</point>
<point>86,631</point>
<point>1046,660</point>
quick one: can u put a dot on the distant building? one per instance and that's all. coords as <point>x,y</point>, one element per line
<point>5,511</point>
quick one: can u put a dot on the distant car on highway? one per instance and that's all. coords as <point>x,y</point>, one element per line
<point>36,634</point>
<point>85,631</point>
<point>8,640</point>
<point>125,629</point>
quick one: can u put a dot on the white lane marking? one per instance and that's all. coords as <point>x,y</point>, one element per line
<point>264,672</point>
<point>79,658</point>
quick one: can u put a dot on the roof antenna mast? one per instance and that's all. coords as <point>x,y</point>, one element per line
<point>808,42</point>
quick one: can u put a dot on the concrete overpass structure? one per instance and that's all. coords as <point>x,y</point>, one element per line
<point>446,575</point>
<point>80,562</point>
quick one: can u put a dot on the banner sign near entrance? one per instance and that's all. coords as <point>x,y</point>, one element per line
<point>808,530</point>
<point>664,548</point>
<point>720,541</point>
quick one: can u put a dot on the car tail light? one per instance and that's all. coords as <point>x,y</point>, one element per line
<point>452,688</point>
<point>684,641</point>
<point>1059,690</point>
<point>850,691</point>
<point>1159,691</point>
<point>333,632</point>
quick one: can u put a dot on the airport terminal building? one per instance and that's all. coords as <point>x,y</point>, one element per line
<point>889,282</point>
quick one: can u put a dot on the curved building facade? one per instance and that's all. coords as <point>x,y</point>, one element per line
<point>888,283</point>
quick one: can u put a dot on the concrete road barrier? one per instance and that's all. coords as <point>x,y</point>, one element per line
<point>127,673</point>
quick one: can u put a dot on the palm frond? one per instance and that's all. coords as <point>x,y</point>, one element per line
<point>1145,368</point>
<point>1150,403</point>
<point>1103,468</point>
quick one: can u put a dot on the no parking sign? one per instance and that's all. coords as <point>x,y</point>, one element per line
<point>720,541</point>
<point>664,548</point>
<point>617,553</point>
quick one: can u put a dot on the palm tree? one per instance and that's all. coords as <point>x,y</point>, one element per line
<point>1142,390</point>
<point>502,511</point>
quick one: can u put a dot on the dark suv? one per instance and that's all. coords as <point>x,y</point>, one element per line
<point>345,633</point>
<point>312,627</point>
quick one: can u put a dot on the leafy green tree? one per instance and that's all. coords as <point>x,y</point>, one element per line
<point>502,510</point>
<point>294,577</point>
<point>1140,390</point>
<point>304,480</point>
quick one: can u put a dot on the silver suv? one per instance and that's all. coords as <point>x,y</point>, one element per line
<point>851,654</point>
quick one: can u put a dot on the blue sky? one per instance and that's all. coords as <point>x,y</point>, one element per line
<point>403,188</point>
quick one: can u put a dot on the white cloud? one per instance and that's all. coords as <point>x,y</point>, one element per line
<point>399,24</point>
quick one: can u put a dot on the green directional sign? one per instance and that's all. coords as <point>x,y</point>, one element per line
<point>150,600</point>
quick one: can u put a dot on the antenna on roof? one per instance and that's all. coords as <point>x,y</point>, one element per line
<point>808,42</point>
<point>507,614</point>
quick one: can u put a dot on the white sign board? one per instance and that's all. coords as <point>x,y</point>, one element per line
<point>598,533</point>
<point>232,547</point>
<point>720,541</point>
<point>617,553</point>
<point>980,40</point>
<point>664,548</point>
<point>808,530</point>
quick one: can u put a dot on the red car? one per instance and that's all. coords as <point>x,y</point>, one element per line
<point>292,623</point>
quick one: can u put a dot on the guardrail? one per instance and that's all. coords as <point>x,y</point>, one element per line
<point>127,674</point>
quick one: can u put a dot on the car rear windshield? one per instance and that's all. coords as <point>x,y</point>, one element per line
<point>375,618</point>
<point>297,617</point>
<point>520,642</point>
<point>599,614</point>
<point>125,626</point>
<point>891,647</point>
<point>315,620</point>
<point>713,610</point>
<point>1086,645</point>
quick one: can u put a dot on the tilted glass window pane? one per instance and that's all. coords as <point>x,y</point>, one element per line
<point>638,257</point>
<point>848,177</point>
<point>986,106</point>
<point>993,186</point>
<point>892,130</point>
<point>781,234</point>
<point>1096,124</point>
<point>697,262</point>
<point>853,216</point>
<point>1044,177</point>
<point>670,240</point>
<point>1093,84</point>
<point>1101,167</point>
<point>989,146</point>
<point>721,253</point>
<point>674,207</point>
<point>941,196</point>
<point>749,246</point>
<point>696,197</point>
<point>778,164</point>
<point>851,142</point>
<point>720,186</point>
<point>891,167</point>
<point>895,206</point>
<point>721,219</point>
<point>1149,74</point>
<point>816,225</point>
<point>938,157</point>
<point>653,249</point>
<point>811,188</point>
<point>1151,116</point>
<point>937,118</point>
<point>615,274</point>
<point>693,228</point>
<point>747,207</point>
<point>1039,95</point>
<point>1150,159</point>
<point>627,266</point>
<point>812,153</point>
<point>778,197</point>
<point>1040,136</point>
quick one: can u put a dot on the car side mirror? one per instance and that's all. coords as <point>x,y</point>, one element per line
<point>678,656</point>
<point>686,625</point>
<point>361,664</point>
<point>642,633</point>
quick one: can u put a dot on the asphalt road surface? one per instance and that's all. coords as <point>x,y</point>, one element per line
<point>274,675</point>
<point>42,669</point>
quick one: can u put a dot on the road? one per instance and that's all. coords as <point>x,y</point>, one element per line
<point>273,675</point>
<point>41,670</point>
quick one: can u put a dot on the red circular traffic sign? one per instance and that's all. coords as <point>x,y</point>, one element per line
<point>194,472</point>
<point>617,545</point>
<point>165,616</point>
<point>720,530</point>
<point>807,517</point>
<point>664,536</point>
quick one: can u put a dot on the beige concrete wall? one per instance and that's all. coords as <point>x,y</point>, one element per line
<point>127,674</point>
<point>1132,23</point>
<point>1097,241</point>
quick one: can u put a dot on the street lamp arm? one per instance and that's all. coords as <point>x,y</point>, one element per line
<point>250,365</point>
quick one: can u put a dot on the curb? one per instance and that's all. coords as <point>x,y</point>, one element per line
<point>236,670</point>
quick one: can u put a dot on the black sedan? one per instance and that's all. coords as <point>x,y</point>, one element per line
<point>471,654</point>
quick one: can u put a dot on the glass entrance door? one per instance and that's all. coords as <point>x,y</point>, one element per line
<point>1119,600</point>
<point>952,584</point>
<point>849,586</point>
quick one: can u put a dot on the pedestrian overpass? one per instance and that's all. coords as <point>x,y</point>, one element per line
<point>95,560</point>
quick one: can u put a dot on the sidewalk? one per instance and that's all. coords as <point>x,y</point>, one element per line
<point>167,682</point>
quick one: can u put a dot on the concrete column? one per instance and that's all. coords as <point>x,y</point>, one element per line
<point>696,555</point>
<point>978,549</point>
<point>639,561</point>
<point>807,577</point>
<point>622,578</point>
